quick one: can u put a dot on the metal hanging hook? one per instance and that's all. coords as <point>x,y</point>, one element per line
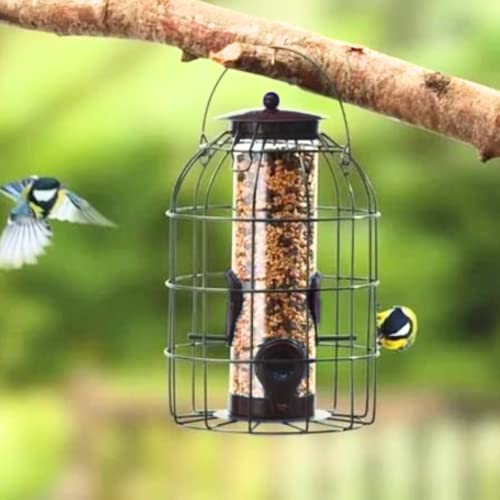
<point>346,154</point>
<point>203,136</point>
<point>345,158</point>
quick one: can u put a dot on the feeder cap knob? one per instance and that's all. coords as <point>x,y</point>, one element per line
<point>271,101</point>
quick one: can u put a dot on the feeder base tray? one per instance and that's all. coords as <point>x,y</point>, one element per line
<point>242,407</point>
<point>318,416</point>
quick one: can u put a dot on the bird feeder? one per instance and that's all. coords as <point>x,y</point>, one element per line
<point>281,336</point>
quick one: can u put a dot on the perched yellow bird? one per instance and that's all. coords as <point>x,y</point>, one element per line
<point>396,328</point>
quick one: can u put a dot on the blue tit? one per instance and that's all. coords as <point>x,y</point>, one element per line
<point>396,328</point>
<point>39,199</point>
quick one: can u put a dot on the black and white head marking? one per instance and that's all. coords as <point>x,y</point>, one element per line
<point>44,190</point>
<point>397,325</point>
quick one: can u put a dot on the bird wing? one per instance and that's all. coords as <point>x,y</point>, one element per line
<point>71,208</point>
<point>24,238</point>
<point>14,190</point>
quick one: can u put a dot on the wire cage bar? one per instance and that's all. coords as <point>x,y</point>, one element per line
<point>247,350</point>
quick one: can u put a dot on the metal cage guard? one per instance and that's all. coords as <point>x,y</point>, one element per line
<point>294,366</point>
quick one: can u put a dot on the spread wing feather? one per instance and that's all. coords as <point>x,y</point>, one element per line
<point>14,190</point>
<point>24,238</point>
<point>71,208</point>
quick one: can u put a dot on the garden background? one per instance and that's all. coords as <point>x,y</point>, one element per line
<point>83,410</point>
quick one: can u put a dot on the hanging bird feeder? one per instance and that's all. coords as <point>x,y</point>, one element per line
<point>281,336</point>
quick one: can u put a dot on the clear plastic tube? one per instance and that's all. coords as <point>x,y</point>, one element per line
<point>277,251</point>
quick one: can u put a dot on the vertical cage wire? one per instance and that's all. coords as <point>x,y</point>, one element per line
<point>344,218</point>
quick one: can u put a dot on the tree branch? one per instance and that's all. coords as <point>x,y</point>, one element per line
<point>450,106</point>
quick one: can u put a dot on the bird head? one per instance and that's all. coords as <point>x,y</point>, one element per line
<point>44,189</point>
<point>397,328</point>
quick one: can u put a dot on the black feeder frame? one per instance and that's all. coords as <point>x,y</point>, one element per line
<point>277,333</point>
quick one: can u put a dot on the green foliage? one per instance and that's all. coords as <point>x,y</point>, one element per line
<point>32,449</point>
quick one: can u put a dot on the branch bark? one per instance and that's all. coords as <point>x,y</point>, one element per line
<point>450,106</point>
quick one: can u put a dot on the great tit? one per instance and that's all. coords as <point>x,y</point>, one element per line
<point>396,328</point>
<point>38,199</point>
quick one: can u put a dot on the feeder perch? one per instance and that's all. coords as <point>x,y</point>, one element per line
<point>281,336</point>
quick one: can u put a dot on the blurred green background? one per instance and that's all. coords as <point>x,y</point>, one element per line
<point>82,374</point>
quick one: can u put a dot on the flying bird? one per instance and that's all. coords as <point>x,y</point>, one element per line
<point>28,232</point>
<point>397,328</point>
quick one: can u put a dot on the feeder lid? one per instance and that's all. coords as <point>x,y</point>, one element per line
<point>273,123</point>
